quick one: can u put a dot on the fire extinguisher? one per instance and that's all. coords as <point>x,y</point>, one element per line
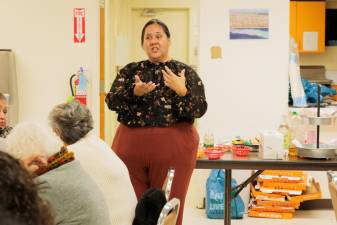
<point>78,86</point>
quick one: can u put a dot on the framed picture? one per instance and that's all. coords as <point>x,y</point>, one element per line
<point>249,24</point>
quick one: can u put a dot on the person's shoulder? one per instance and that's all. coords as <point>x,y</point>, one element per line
<point>8,128</point>
<point>179,64</point>
<point>68,171</point>
<point>90,144</point>
<point>3,144</point>
<point>53,183</point>
<point>102,151</point>
<point>132,68</point>
<point>133,65</point>
<point>5,131</point>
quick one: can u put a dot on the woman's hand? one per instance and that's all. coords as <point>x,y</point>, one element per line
<point>34,162</point>
<point>176,83</point>
<point>142,88</point>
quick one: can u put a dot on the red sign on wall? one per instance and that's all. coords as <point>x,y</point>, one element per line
<point>79,25</point>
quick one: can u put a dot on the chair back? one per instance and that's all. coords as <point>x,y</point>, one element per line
<point>332,178</point>
<point>168,183</point>
<point>169,213</point>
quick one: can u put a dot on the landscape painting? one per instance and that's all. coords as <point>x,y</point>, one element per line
<point>249,23</point>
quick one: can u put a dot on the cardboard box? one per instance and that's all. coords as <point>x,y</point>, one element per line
<point>271,145</point>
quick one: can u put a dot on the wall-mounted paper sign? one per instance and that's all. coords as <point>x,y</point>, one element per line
<point>216,52</point>
<point>79,25</point>
<point>310,41</point>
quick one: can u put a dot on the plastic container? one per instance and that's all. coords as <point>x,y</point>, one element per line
<point>222,147</point>
<point>208,140</point>
<point>241,150</point>
<point>292,150</point>
<point>319,120</point>
<point>213,153</point>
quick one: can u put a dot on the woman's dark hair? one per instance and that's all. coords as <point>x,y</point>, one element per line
<point>160,23</point>
<point>19,196</point>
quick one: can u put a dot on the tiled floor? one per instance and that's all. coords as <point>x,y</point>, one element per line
<point>305,217</point>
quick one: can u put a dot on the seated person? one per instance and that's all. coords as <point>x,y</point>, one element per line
<point>149,207</point>
<point>72,122</point>
<point>20,203</point>
<point>73,195</point>
<point>4,129</point>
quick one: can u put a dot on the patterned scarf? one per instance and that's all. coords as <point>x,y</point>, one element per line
<point>58,159</point>
<point>5,131</point>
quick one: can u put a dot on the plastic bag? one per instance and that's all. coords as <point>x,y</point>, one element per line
<point>215,197</point>
<point>296,87</point>
<point>310,90</point>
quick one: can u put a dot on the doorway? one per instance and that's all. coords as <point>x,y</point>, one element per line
<point>177,22</point>
<point>125,20</point>
<point>124,40</point>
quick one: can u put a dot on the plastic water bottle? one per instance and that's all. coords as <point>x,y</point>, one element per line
<point>284,129</point>
<point>208,140</point>
<point>296,130</point>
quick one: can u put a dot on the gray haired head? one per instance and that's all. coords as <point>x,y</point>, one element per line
<point>71,121</point>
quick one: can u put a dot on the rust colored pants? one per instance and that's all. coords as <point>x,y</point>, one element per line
<point>148,153</point>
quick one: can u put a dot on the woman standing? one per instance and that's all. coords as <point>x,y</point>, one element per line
<point>157,101</point>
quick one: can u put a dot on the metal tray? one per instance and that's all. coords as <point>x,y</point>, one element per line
<point>323,152</point>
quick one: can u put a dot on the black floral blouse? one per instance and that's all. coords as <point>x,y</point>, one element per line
<point>5,131</point>
<point>162,106</point>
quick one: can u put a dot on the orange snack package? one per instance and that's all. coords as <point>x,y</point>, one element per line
<point>279,209</point>
<point>273,215</point>
<point>290,186</point>
<point>291,203</point>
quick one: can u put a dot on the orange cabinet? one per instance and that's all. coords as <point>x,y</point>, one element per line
<point>307,25</point>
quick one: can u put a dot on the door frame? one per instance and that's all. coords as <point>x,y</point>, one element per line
<point>188,6</point>
<point>101,70</point>
<point>184,9</point>
<point>113,14</point>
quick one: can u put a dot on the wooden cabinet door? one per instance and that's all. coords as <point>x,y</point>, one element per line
<point>310,26</point>
<point>293,20</point>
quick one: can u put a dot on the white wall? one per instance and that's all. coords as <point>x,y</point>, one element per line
<point>40,33</point>
<point>247,89</point>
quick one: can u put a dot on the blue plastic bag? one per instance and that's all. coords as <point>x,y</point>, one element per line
<point>310,90</point>
<point>215,197</point>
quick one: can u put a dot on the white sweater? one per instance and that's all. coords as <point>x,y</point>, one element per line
<point>110,174</point>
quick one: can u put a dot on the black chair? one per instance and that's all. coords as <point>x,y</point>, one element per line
<point>155,208</point>
<point>170,211</point>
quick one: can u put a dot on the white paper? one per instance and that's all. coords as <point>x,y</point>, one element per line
<point>310,41</point>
